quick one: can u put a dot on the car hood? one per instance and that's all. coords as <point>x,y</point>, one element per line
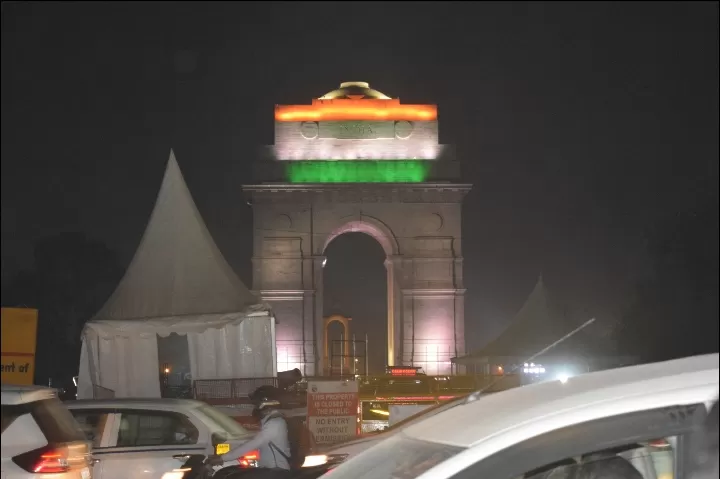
<point>353,442</point>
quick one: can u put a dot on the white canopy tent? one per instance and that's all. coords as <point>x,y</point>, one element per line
<point>178,282</point>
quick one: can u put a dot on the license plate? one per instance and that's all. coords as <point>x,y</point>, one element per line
<point>222,449</point>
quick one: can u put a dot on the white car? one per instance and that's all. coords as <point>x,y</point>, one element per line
<point>145,438</point>
<point>345,450</point>
<point>633,421</point>
<point>40,438</point>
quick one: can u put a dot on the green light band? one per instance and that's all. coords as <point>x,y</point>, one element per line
<point>357,171</point>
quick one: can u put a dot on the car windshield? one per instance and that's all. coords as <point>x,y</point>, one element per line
<point>222,422</point>
<point>398,457</point>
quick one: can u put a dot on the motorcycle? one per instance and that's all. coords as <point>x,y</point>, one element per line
<point>195,467</point>
<point>198,466</point>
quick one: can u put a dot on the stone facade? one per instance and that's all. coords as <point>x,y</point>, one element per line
<point>418,226</point>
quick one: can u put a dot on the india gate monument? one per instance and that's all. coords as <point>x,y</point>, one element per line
<point>356,160</point>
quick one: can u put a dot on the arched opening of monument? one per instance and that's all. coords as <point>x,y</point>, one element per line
<point>355,282</point>
<point>338,354</point>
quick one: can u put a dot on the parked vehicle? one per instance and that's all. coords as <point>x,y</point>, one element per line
<point>637,419</point>
<point>148,437</point>
<point>40,438</point>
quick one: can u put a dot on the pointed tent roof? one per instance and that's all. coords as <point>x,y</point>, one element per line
<point>177,270</point>
<point>534,327</point>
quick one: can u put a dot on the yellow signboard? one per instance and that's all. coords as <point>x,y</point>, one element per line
<point>19,337</point>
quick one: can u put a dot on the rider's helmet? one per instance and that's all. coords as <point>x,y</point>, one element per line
<point>265,406</point>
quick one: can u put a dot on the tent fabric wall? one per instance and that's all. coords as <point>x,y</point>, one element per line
<point>122,356</point>
<point>123,361</point>
<point>241,350</point>
<point>86,377</point>
<point>164,326</point>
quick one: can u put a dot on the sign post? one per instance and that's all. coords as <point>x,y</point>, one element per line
<point>332,410</point>
<point>19,337</point>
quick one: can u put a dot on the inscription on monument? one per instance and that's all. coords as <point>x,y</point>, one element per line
<point>357,130</point>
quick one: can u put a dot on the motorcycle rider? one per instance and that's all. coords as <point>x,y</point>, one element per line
<point>272,441</point>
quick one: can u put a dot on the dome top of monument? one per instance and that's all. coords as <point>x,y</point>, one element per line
<point>355,90</point>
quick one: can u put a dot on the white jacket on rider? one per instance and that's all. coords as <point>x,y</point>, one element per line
<point>272,442</point>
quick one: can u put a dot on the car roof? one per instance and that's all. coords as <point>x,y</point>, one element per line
<point>135,403</point>
<point>580,399</point>
<point>13,394</point>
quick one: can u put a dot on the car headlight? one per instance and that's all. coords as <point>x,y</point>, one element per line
<point>321,459</point>
<point>317,460</point>
<point>176,473</point>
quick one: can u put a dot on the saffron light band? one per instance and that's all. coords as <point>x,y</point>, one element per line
<point>341,110</point>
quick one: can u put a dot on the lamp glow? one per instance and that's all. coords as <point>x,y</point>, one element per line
<point>380,412</point>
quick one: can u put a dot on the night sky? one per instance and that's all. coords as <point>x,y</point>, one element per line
<point>579,124</point>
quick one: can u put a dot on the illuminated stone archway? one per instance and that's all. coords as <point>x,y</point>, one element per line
<point>356,160</point>
<point>294,224</point>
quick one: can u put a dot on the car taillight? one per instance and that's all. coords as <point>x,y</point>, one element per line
<point>46,460</point>
<point>250,459</point>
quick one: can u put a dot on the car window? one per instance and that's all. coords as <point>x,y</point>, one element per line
<point>703,457</point>
<point>155,428</point>
<point>92,424</point>
<point>51,416</point>
<point>9,414</point>
<point>624,446</point>
<point>650,460</point>
<point>398,457</point>
<point>218,421</point>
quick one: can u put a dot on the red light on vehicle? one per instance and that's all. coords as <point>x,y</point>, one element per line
<point>52,462</point>
<point>250,459</point>
<point>44,461</point>
<point>402,371</point>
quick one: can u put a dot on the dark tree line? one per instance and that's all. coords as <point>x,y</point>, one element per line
<point>72,276</point>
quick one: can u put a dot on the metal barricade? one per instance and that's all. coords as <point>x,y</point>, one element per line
<point>228,392</point>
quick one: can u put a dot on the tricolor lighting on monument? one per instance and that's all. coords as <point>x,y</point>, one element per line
<point>363,171</point>
<point>357,161</point>
<point>356,135</point>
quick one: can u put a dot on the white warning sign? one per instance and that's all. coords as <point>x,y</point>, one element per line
<point>332,410</point>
